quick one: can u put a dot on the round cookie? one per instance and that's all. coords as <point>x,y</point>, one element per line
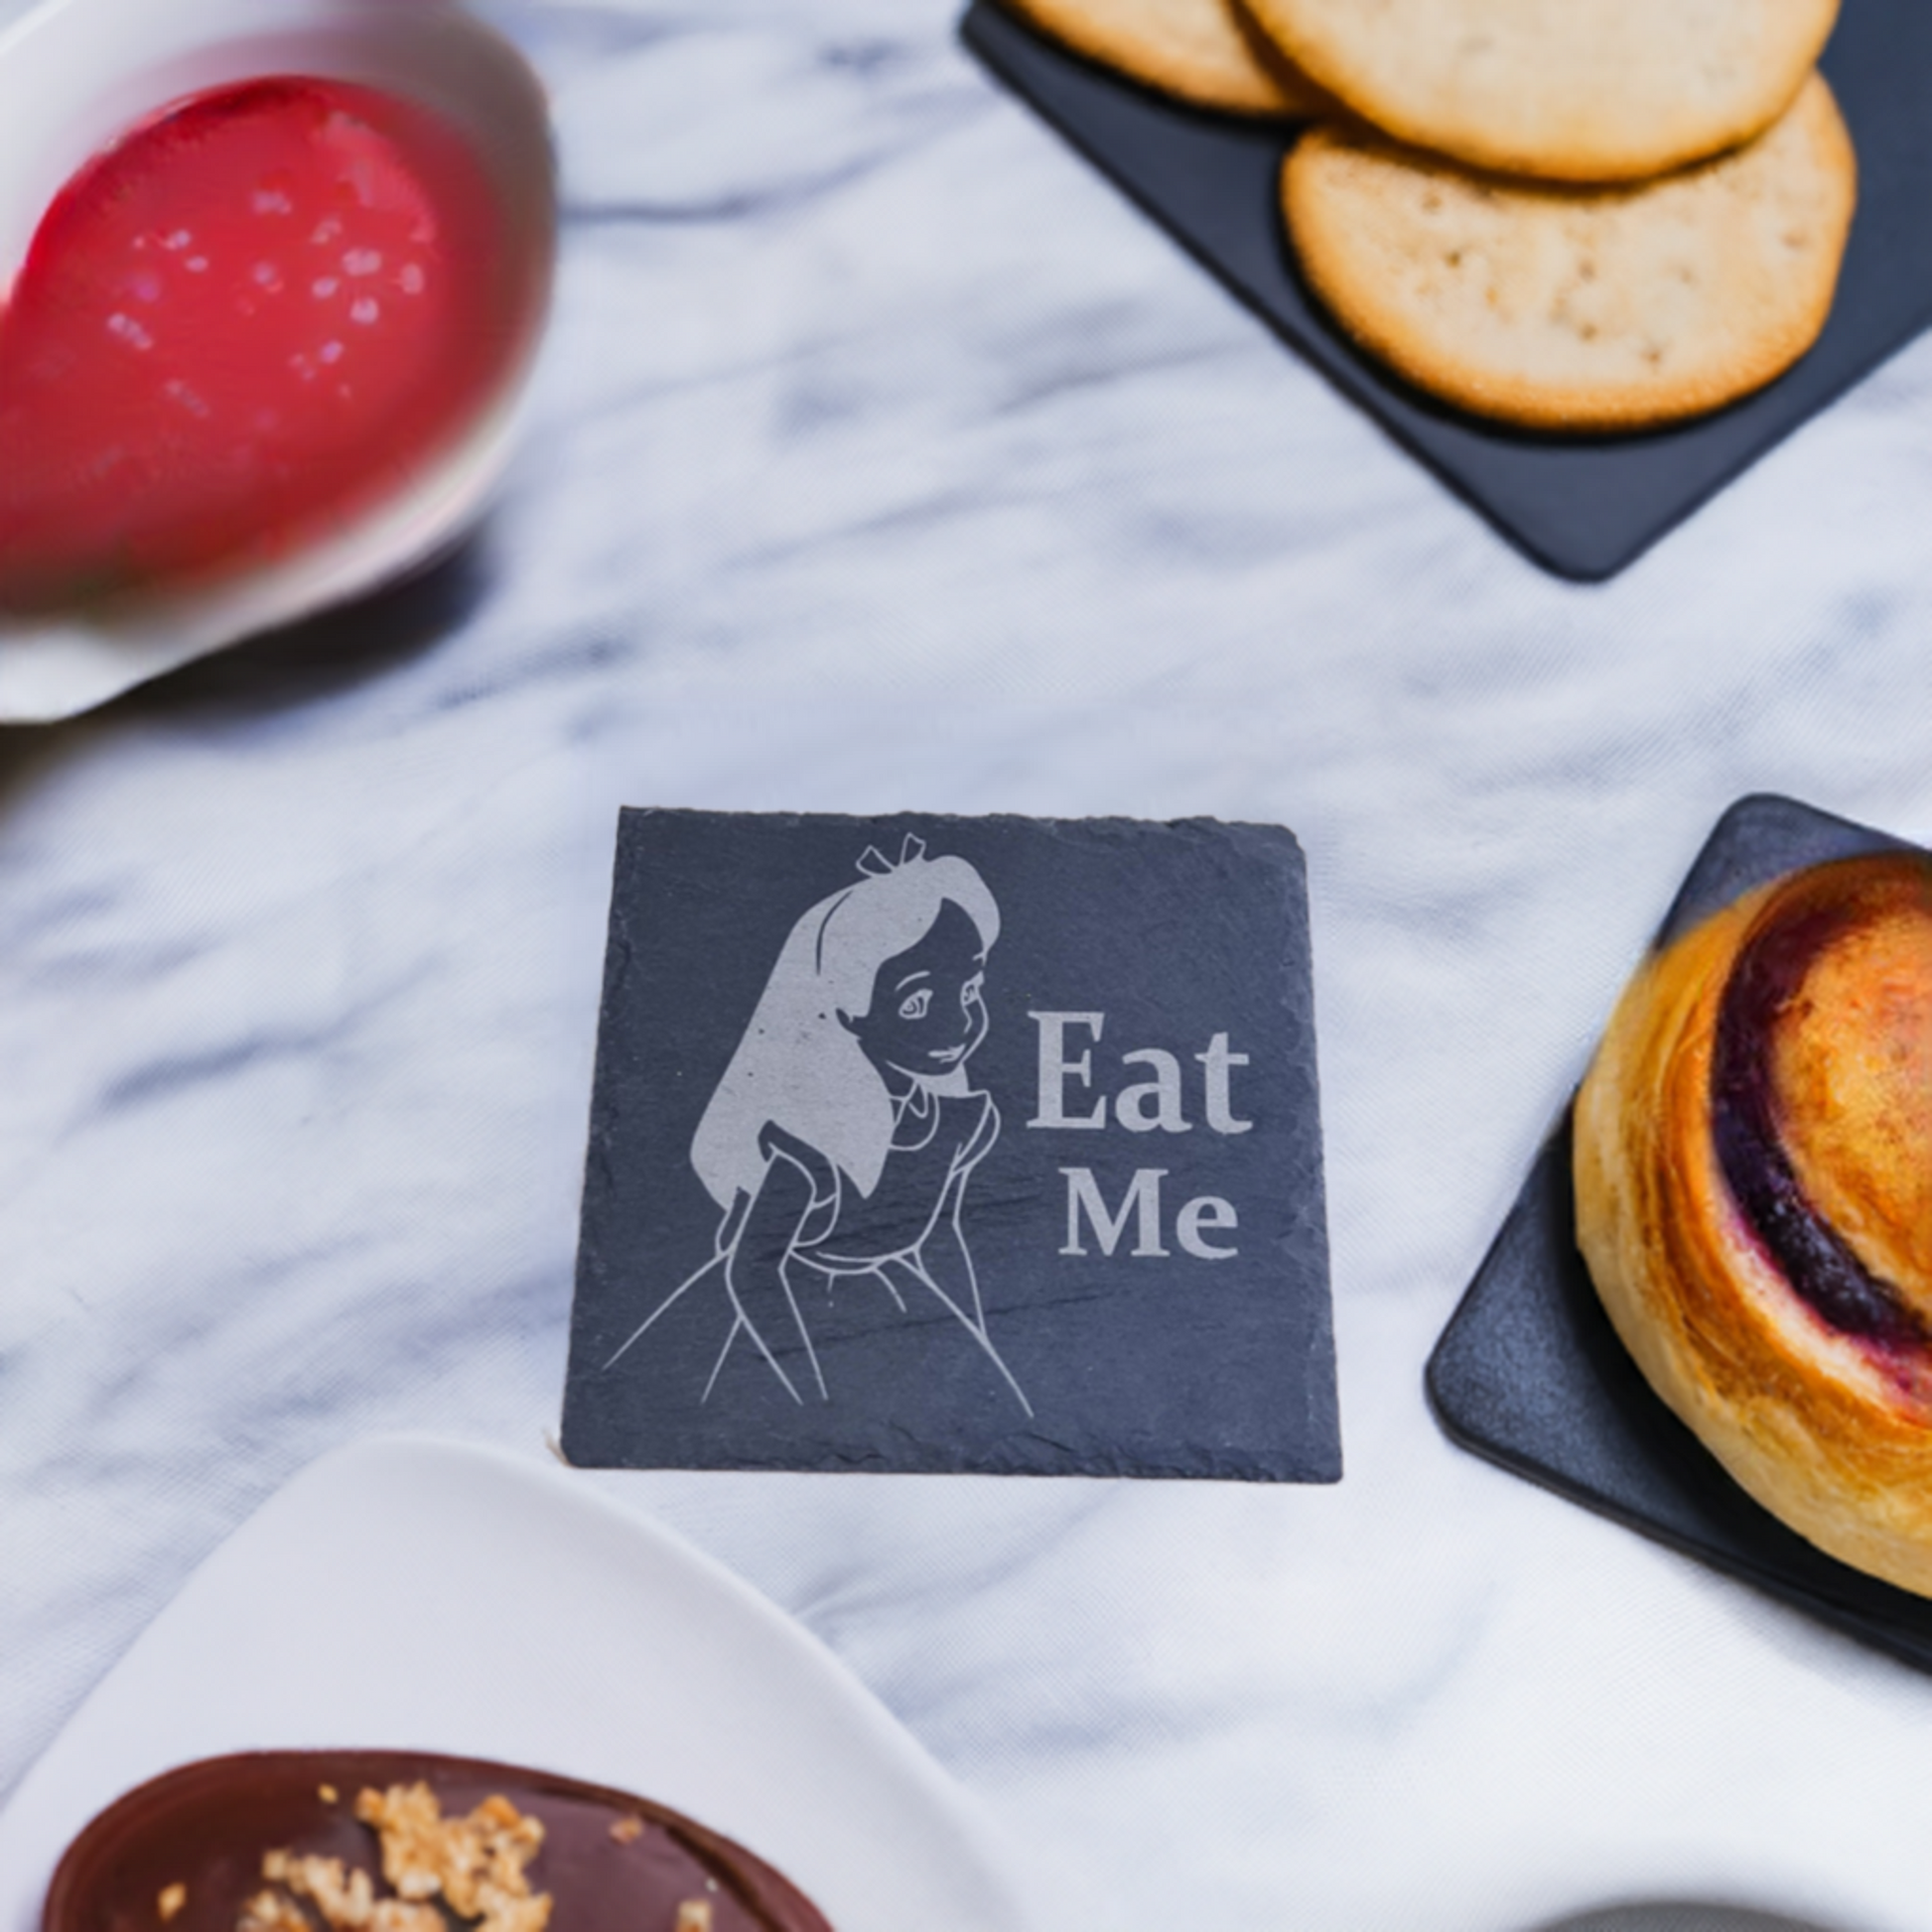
<point>1566,89</point>
<point>1580,308</point>
<point>1209,51</point>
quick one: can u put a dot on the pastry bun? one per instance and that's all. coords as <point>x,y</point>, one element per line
<point>1753,1169</point>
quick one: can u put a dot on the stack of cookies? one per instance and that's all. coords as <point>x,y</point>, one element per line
<point>1577,214</point>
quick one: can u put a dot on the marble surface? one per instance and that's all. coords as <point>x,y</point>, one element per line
<point>882,457</point>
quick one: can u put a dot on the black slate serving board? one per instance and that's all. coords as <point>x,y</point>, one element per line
<point>1530,1373</point>
<point>923,1142</point>
<point>1583,507</point>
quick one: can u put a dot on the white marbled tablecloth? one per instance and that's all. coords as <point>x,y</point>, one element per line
<point>883,457</point>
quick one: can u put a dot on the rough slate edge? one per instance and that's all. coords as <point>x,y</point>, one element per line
<point>1530,1373</point>
<point>1583,508</point>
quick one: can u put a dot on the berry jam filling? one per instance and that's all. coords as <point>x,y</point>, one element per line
<point>239,325</point>
<point>1821,1269</point>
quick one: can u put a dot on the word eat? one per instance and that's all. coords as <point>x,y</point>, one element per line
<point>1142,1107</point>
<point>1147,1104</point>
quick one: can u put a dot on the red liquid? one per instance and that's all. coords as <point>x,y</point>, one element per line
<point>241,324</point>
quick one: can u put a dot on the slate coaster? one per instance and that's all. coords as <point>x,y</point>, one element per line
<point>1583,506</point>
<point>1530,1373</point>
<point>955,1143</point>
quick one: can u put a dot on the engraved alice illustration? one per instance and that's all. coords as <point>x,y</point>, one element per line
<point>840,1143</point>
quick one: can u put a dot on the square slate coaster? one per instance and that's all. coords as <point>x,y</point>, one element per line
<point>1530,1373</point>
<point>953,1143</point>
<point>1582,506</point>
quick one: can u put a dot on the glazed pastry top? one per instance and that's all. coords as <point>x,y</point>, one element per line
<point>1821,1094</point>
<point>1852,1063</point>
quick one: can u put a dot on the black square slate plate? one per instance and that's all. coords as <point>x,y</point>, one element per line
<point>1530,1373</point>
<point>1582,506</point>
<point>923,1142</point>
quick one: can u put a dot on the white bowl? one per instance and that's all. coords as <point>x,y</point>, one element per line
<point>74,73</point>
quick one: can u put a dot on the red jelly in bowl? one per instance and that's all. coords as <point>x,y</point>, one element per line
<point>248,320</point>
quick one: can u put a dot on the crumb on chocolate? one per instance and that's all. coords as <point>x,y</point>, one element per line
<point>694,1915</point>
<point>328,1794</point>
<point>475,1864</point>
<point>173,1898</point>
<point>272,1911</point>
<point>629,1829</point>
<point>345,1897</point>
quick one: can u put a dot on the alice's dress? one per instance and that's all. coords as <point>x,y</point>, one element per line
<point>815,1288</point>
<point>854,1233</point>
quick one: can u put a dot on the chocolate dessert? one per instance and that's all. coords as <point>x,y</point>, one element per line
<point>188,1850</point>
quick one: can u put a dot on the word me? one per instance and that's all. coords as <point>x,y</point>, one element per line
<point>1156,1104</point>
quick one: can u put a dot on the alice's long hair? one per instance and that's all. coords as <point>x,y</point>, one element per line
<point>797,1067</point>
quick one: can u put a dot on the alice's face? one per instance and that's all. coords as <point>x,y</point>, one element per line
<point>926,1013</point>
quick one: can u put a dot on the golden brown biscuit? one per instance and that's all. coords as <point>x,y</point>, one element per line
<point>1209,51</point>
<point>1754,1170</point>
<point>1566,89</point>
<point>1588,309</point>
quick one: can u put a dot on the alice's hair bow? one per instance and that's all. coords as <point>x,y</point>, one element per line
<point>874,865</point>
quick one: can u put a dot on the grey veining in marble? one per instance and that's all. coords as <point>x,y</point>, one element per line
<point>882,457</point>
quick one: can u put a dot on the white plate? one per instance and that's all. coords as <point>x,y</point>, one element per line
<point>422,1595</point>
